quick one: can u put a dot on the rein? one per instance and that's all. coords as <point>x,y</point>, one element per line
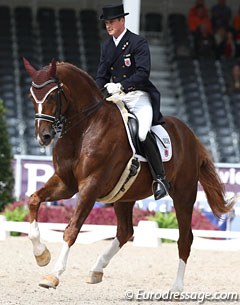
<point>83,115</point>
<point>58,120</point>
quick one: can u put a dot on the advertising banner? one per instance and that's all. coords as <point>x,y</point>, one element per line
<point>32,172</point>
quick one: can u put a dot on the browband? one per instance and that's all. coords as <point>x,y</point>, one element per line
<point>44,84</point>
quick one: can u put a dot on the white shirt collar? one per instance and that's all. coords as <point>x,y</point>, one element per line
<point>117,40</point>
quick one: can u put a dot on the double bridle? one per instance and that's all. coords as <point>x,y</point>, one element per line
<point>58,120</point>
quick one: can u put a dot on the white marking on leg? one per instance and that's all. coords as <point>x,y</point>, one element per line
<point>34,236</point>
<point>179,282</point>
<point>61,263</point>
<point>105,258</point>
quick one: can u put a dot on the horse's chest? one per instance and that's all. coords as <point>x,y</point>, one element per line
<point>64,169</point>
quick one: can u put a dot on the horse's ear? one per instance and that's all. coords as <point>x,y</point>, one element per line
<point>29,68</point>
<point>53,68</point>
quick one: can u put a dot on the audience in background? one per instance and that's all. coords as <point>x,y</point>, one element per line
<point>198,16</point>
<point>229,48</point>
<point>233,84</point>
<point>236,28</point>
<point>193,9</point>
<point>221,15</point>
<point>215,35</point>
<point>204,43</point>
<point>225,44</point>
<point>199,25</point>
<point>220,37</point>
<point>236,21</point>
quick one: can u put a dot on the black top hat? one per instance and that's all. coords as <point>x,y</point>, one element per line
<point>112,12</point>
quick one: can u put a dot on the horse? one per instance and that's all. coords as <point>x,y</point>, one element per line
<point>89,156</point>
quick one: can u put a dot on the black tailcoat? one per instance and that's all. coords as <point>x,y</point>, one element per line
<point>129,64</point>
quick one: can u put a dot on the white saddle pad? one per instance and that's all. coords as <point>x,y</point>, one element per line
<point>164,146</point>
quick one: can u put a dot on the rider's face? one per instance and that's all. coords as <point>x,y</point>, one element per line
<point>115,27</point>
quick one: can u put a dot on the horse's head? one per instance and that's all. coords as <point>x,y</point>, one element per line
<point>46,94</point>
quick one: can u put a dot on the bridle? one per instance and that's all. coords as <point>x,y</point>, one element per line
<point>58,120</point>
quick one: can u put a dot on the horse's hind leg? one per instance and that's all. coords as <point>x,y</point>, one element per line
<point>184,207</point>
<point>123,212</point>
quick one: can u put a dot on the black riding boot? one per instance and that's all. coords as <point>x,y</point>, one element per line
<point>160,186</point>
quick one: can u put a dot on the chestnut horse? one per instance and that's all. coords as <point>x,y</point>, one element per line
<point>90,156</point>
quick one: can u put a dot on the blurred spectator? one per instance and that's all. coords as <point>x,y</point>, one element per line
<point>221,15</point>
<point>234,83</point>
<point>225,44</point>
<point>193,9</point>
<point>198,16</point>
<point>236,21</point>
<point>236,28</point>
<point>220,37</point>
<point>229,48</point>
<point>204,43</point>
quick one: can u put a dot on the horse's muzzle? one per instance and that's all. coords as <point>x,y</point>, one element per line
<point>45,138</point>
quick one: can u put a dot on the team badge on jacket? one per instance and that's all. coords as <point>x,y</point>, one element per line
<point>127,60</point>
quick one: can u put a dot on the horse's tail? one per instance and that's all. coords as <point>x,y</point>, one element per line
<point>212,185</point>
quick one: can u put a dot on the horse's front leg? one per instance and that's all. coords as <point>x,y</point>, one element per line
<point>86,200</point>
<point>54,189</point>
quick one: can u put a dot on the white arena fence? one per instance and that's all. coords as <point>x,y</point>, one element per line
<point>146,234</point>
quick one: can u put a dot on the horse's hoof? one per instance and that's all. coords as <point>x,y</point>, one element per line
<point>49,281</point>
<point>94,277</point>
<point>44,258</point>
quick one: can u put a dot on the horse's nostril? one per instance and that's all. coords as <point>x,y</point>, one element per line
<point>46,136</point>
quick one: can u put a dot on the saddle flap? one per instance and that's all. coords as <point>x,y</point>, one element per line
<point>162,137</point>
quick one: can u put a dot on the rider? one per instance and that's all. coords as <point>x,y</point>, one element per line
<point>125,60</point>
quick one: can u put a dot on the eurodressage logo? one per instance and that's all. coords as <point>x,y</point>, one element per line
<point>200,297</point>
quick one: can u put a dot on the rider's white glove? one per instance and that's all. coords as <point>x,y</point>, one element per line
<point>113,88</point>
<point>115,98</point>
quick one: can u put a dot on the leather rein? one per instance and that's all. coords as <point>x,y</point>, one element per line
<point>59,122</point>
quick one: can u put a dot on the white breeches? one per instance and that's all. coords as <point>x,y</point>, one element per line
<point>139,103</point>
